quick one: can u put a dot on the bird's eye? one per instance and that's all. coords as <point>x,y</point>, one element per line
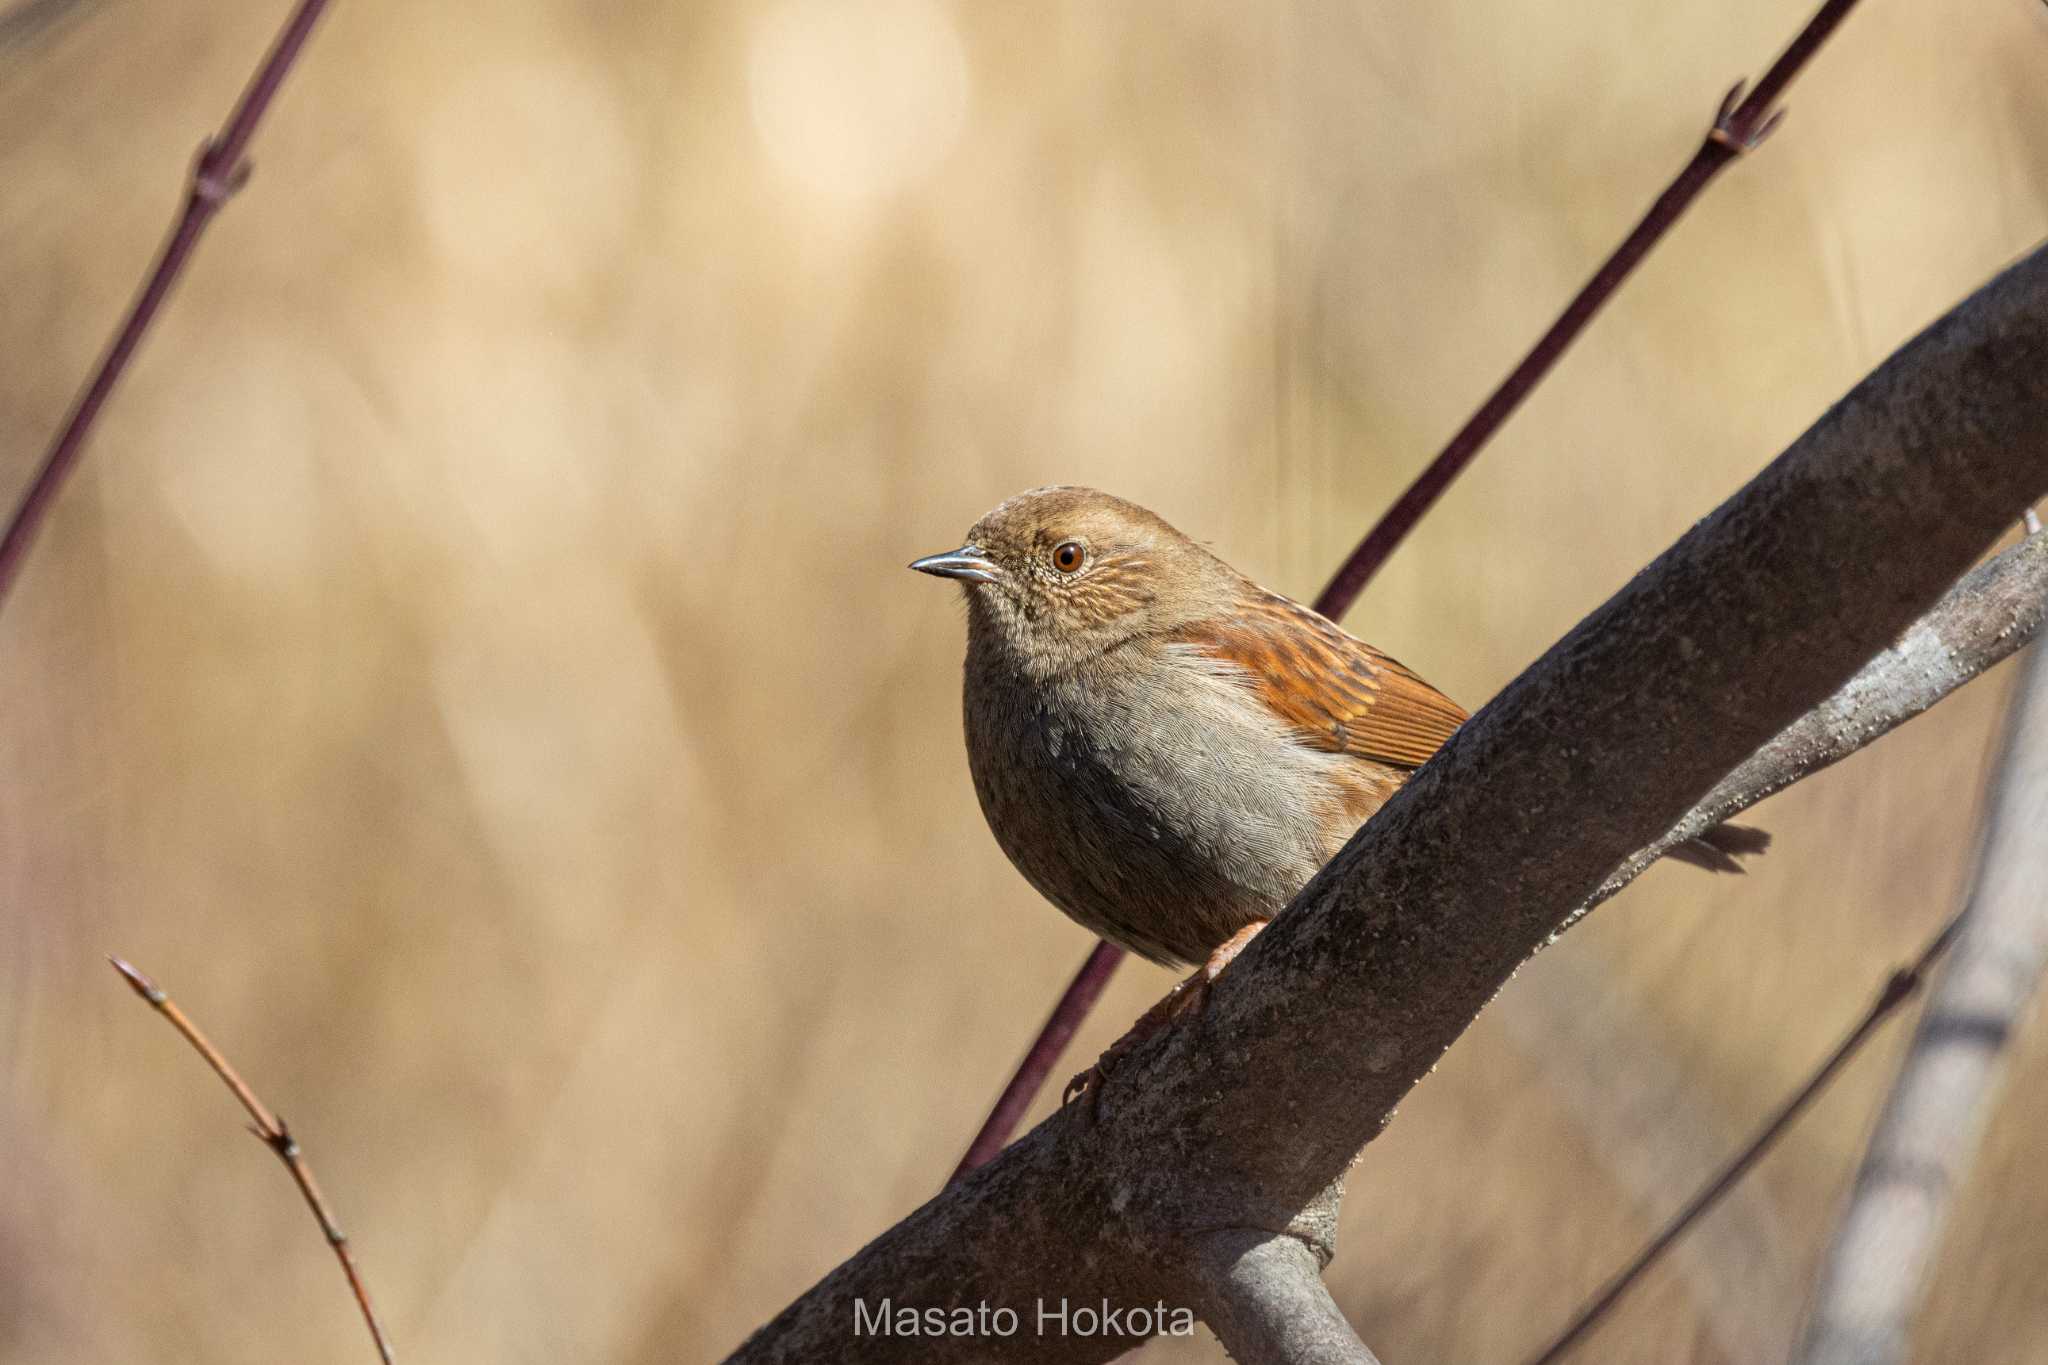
<point>1068,556</point>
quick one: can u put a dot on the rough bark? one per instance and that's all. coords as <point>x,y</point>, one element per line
<point>1987,616</point>
<point>1247,1117</point>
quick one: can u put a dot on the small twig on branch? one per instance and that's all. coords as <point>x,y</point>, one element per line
<point>1899,988</point>
<point>217,172</point>
<point>1739,126</point>
<point>274,1134</point>
<point>1920,1154</point>
<point>1268,1305</point>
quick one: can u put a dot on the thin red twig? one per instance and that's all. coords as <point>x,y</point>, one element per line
<point>1739,126</point>
<point>217,172</point>
<point>1901,987</point>
<point>1081,994</point>
<point>278,1138</point>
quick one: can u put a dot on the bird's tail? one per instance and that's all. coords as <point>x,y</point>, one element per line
<point>1719,848</point>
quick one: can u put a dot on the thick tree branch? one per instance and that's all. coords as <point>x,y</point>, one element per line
<point>1984,618</point>
<point>1243,1118</point>
<point>1918,1158</point>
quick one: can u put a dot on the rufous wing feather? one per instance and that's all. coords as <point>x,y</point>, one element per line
<point>1339,693</point>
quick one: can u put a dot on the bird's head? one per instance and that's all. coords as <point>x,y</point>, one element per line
<point>1059,575</point>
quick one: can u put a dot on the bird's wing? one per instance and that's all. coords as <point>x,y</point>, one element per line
<point>1339,693</point>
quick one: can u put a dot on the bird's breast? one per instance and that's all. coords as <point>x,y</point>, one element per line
<point>1151,799</point>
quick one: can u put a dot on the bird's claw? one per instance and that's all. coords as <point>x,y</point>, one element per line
<point>1084,1093</point>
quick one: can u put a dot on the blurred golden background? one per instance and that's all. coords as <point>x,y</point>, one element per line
<point>476,673</point>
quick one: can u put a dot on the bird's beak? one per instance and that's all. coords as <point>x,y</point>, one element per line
<point>967,563</point>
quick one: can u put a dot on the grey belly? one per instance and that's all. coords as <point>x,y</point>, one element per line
<point>1165,831</point>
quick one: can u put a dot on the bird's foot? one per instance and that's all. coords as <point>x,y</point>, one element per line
<point>1191,995</point>
<point>1188,997</point>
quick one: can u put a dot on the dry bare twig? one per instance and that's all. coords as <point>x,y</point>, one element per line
<point>220,168</point>
<point>1246,1120</point>
<point>1900,987</point>
<point>271,1129</point>
<point>1740,124</point>
<point>1641,1113</point>
<point>1884,1245</point>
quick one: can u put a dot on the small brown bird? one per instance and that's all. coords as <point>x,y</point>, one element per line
<point>1166,750</point>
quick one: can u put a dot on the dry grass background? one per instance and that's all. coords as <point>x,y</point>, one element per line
<point>476,670</point>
